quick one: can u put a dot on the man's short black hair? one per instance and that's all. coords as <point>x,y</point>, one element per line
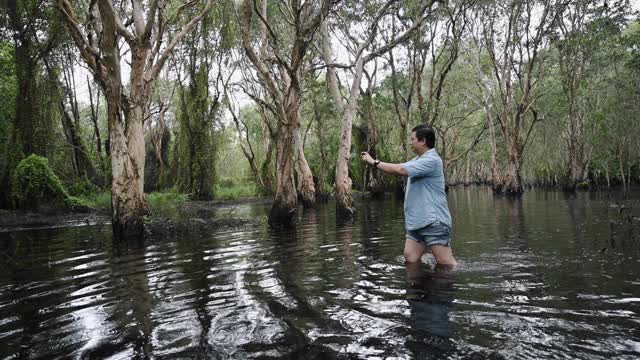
<point>425,133</point>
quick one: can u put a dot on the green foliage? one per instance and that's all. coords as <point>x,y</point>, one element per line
<point>582,185</point>
<point>235,191</point>
<point>35,185</point>
<point>162,201</point>
<point>98,200</point>
<point>8,89</point>
<point>632,40</point>
<point>75,203</point>
<point>196,144</point>
<point>322,124</point>
<point>224,19</point>
<point>82,187</point>
<point>9,154</point>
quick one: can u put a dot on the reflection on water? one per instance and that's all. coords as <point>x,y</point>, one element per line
<point>430,294</point>
<point>547,276</point>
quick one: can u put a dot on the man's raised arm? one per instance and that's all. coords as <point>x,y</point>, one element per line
<point>389,168</point>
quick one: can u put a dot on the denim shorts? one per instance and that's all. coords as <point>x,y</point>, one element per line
<point>435,233</point>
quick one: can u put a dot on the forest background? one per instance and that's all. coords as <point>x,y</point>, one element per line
<point>228,99</point>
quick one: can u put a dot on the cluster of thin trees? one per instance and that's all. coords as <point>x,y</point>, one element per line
<point>519,92</point>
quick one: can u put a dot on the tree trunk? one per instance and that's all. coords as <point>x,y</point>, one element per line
<point>283,211</point>
<point>266,172</point>
<point>396,105</point>
<point>376,184</point>
<point>467,173</point>
<point>94,119</point>
<point>127,169</point>
<point>290,154</point>
<point>574,166</point>
<point>344,199</point>
<point>126,135</point>
<point>494,178</point>
<point>321,183</point>
<point>512,184</point>
<point>305,177</point>
<point>85,167</point>
<point>622,176</point>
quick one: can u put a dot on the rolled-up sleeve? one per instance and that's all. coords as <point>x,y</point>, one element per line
<point>424,166</point>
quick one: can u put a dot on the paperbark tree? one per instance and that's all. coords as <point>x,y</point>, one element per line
<point>281,75</point>
<point>100,43</point>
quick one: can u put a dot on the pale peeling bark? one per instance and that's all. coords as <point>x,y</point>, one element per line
<point>332,78</point>
<point>306,187</point>
<point>127,170</point>
<point>293,106</point>
<point>344,199</point>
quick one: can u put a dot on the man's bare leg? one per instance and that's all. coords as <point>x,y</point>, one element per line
<point>413,250</point>
<point>444,256</point>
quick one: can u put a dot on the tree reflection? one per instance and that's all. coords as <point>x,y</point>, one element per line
<point>513,223</point>
<point>133,300</point>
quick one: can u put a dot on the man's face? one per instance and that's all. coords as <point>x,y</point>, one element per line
<point>417,146</point>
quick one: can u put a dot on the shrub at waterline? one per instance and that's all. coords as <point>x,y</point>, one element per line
<point>34,185</point>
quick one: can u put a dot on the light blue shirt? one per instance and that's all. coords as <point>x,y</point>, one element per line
<point>425,200</point>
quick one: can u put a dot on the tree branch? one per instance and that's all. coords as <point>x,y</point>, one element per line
<point>404,36</point>
<point>89,53</point>
<point>153,72</point>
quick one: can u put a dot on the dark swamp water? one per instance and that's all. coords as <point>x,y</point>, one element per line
<point>550,276</point>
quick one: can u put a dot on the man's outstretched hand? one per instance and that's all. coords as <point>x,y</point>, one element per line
<point>364,156</point>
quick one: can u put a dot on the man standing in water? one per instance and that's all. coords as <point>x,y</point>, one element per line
<point>426,213</point>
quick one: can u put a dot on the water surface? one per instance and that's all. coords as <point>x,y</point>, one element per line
<point>549,276</point>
